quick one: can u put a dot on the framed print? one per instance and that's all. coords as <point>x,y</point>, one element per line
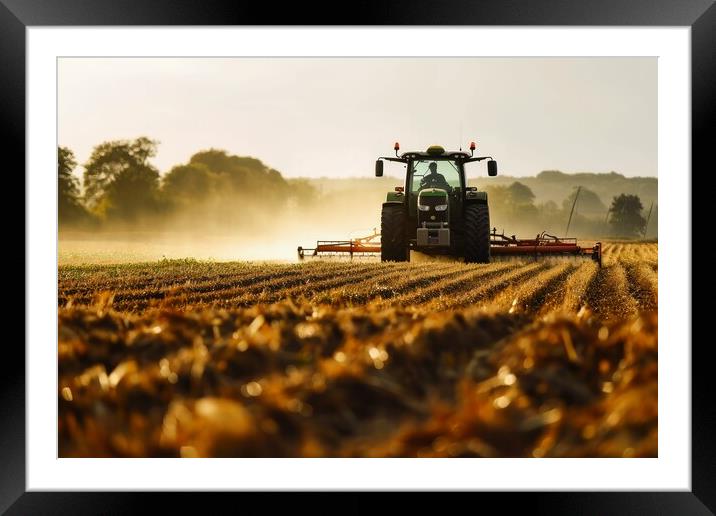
<point>416,251</point>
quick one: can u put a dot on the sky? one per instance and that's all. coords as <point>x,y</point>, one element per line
<point>332,117</point>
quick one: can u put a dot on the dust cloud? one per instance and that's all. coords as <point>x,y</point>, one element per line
<point>239,231</point>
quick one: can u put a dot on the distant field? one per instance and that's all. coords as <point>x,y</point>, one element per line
<point>134,247</point>
<point>188,358</point>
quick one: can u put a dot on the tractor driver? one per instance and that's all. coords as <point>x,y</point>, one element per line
<point>434,180</point>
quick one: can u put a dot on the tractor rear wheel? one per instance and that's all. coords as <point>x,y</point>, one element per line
<point>477,233</point>
<point>392,234</point>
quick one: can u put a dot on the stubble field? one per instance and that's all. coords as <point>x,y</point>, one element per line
<point>339,358</point>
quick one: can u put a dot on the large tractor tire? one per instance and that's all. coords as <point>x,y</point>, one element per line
<point>392,234</point>
<point>477,233</point>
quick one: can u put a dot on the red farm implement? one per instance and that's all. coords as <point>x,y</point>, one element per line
<point>363,246</point>
<point>542,246</point>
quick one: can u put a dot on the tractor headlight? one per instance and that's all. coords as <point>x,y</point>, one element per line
<point>423,207</point>
<point>441,207</point>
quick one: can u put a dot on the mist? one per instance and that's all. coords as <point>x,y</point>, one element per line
<point>227,230</point>
<point>239,228</point>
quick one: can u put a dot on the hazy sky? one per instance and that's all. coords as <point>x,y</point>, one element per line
<point>334,116</point>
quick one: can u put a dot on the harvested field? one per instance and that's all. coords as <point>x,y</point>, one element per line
<point>339,358</point>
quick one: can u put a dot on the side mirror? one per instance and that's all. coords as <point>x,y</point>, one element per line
<point>379,168</point>
<point>492,168</point>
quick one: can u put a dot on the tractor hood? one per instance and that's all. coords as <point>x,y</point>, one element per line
<point>433,207</point>
<point>432,196</point>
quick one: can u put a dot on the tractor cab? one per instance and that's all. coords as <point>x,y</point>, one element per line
<point>433,175</point>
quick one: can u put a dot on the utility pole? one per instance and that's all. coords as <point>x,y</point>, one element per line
<point>648,217</point>
<point>566,232</point>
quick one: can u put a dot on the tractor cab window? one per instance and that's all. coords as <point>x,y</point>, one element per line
<point>434,174</point>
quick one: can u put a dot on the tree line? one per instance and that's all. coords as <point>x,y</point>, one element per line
<point>121,188</point>
<point>581,213</point>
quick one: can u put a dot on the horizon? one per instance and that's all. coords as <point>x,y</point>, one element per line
<point>499,175</point>
<point>388,174</point>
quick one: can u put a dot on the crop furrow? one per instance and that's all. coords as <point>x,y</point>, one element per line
<point>311,289</point>
<point>531,294</point>
<point>608,294</point>
<point>386,293</point>
<point>575,291</point>
<point>463,282</point>
<point>132,294</point>
<point>484,293</point>
<point>643,284</point>
<point>245,295</point>
<point>363,291</point>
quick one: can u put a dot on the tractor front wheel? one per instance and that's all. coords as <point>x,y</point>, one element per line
<point>477,233</point>
<point>392,234</point>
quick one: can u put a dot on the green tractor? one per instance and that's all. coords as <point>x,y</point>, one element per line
<point>435,212</point>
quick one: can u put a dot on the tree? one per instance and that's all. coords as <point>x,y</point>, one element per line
<point>221,189</point>
<point>303,193</point>
<point>625,216</point>
<point>69,207</point>
<point>549,215</point>
<point>520,193</point>
<point>500,208</point>
<point>184,185</point>
<point>119,181</point>
<point>652,228</point>
<point>66,163</point>
<point>588,203</point>
<point>552,175</point>
<point>67,185</point>
<point>241,173</point>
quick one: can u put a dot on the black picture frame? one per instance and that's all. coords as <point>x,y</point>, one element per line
<point>17,15</point>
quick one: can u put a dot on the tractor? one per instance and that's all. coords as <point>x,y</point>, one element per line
<point>435,212</point>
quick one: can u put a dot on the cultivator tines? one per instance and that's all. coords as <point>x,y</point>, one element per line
<point>501,245</point>
<point>363,246</point>
<point>542,245</point>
